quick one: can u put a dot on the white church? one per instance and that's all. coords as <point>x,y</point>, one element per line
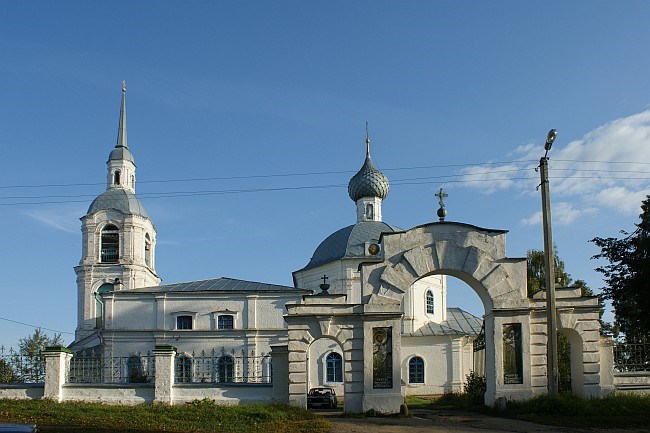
<point>123,309</point>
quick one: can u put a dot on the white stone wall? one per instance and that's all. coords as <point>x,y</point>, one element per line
<point>109,394</point>
<point>21,391</point>
<point>447,361</point>
<point>316,364</point>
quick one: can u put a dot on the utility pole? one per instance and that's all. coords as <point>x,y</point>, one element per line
<point>549,260</point>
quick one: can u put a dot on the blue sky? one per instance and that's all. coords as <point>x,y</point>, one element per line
<point>241,89</point>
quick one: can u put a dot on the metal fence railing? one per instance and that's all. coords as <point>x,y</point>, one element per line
<point>629,357</point>
<point>223,367</point>
<point>19,368</point>
<point>89,367</point>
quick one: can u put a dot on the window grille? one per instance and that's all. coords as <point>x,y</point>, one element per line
<point>334,367</point>
<point>184,322</point>
<point>416,370</point>
<point>225,321</point>
<point>430,302</point>
<point>110,246</point>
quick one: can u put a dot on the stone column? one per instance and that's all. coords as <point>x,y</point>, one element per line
<point>280,379</point>
<point>57,365</point>
<point>164,384</point>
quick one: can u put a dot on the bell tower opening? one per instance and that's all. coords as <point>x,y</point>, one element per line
<point>110,244</point>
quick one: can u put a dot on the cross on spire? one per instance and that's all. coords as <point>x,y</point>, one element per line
<point>324,278</point>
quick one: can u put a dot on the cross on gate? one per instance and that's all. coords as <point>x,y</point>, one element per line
<point>441,196</point>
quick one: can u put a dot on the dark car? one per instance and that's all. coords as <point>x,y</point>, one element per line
<point>321,397</point>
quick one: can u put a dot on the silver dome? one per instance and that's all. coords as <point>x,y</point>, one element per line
<point>368,182</point>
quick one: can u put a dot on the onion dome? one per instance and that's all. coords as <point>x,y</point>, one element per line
<point>369,181</point>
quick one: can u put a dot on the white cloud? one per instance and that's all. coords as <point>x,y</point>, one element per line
<point>562,213</point>
<point>66,221</point>
<point>606,168</point>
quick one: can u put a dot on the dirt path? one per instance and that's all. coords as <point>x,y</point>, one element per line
<point>426,421</point>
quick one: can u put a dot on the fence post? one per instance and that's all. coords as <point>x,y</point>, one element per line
<point>280,379</point>
<point>57,365</point>
<point>164,383</point>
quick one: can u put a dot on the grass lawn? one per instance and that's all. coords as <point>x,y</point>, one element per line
<point>203,416</point>
<point>566,410</point>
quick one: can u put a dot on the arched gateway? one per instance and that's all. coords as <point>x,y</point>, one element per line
<point>369,331</point>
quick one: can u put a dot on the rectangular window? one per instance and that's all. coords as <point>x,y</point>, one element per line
<point>512,354</point>
<point>225,322</point>
<point>184,322</point>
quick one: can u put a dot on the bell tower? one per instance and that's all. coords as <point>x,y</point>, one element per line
<point>118,244</point>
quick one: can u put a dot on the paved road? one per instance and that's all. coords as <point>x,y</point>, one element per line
<point>427,421</point>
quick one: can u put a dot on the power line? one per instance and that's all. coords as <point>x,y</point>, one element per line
<point>316,173</point>
<point>34,326</point>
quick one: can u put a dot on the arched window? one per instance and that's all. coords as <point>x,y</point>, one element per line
<point>99,304</point>
<point>110,248</point>
<point>369,211</point>
<point>225,369</point>
<point>183,370</point>
<point>132,181</point>
<point>334,367</point>
<point>147,250</point>
<point>116,177</point>
<point>430,302</point>
<point>416,370</point>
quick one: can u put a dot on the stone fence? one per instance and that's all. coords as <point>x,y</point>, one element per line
<point>163,377</point>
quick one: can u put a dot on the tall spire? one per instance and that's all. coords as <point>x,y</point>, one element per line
<point>367,142</point>
<point>121,131</point>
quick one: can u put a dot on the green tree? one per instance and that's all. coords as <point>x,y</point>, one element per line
<point>628,277</point>
<point>536,271</point>
<point>32,365</point>
<point>7,373</point>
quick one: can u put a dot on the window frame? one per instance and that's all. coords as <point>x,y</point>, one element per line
<point>416,370</point>
<point>184,317</point>
<point>333,368</point>
<point>221,318</point>
<point>109,252</point>
<point>430,302</point>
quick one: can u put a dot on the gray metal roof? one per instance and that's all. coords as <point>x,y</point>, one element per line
<point>349,242</point>
<point>459,322</point>
<point>368,182</point>
<point>119,199</point>
<point>219,285</point>
<point>121,153</point>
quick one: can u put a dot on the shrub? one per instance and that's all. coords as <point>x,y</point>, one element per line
<point>475,387</point>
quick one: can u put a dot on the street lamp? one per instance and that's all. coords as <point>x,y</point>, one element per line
<point>549,259</point>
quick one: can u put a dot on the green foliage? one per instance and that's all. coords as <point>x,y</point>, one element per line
<point>34,344</point>
<point>621,411</point>
<point>567,410</point>
<point>536,271</point>
<point>204,417</point>
<point>32,365</point>
<point>564,362</point>
<point>7,373</point>
<point>475,387</point>
<point>628,277</point>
